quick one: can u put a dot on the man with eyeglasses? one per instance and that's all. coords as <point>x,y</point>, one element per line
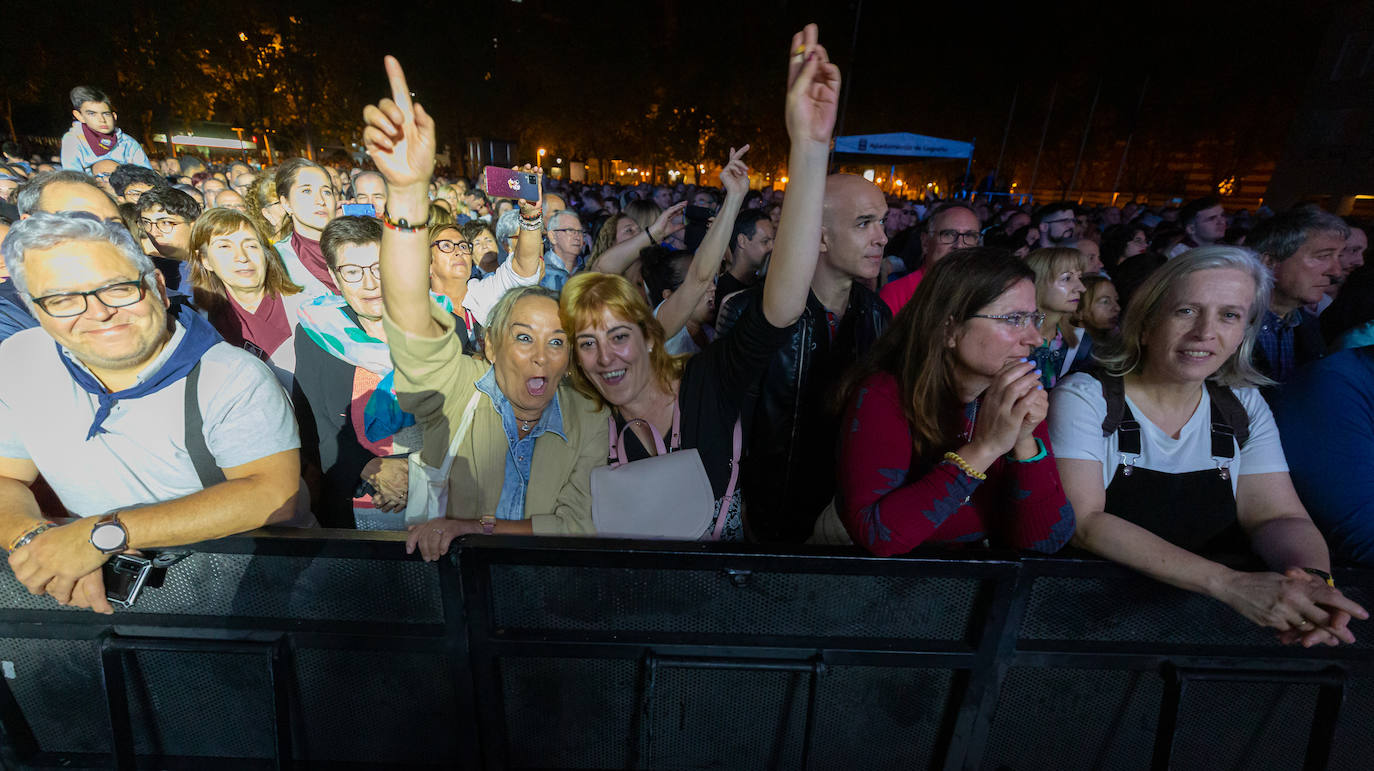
<point>952,226</point>
<point>565,243</point>
<point>130,181</point>
<point>166,215</point>
<point>151,430</point>
<point>1055,223</point>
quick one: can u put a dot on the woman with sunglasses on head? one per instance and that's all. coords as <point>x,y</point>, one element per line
<point>946,441</point>
<point>450,269</point>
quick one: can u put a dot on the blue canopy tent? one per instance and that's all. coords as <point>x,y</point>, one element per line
<point>900,145</point>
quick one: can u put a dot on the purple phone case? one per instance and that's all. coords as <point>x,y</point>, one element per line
<point>508,183</point>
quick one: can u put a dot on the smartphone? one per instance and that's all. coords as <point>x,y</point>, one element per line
<point>125,575</point>
<point>359,210</point>
<point>698,221</point>
<point>508,183</point>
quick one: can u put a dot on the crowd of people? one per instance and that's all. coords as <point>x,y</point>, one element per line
<point>196,349</point>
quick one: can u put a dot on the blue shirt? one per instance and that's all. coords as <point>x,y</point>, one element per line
<point>1325,416</point>
<point>1275,341</point>
<point>521,453</point>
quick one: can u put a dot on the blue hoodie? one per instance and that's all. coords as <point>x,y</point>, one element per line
<point>77,154</point>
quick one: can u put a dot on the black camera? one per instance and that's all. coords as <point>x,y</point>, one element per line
<point>125,575</point>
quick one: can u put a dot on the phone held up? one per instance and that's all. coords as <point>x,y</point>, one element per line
<point>359,210</point>
<point>509,183</point>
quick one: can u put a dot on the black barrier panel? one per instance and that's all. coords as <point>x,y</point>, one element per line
<point>544,653</point>
<point>728,601</point>
<point>1074,718</point>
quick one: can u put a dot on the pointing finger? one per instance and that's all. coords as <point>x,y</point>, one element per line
<point>400,92</point>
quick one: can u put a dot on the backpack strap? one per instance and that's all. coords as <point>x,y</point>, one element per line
<point>207,469</point>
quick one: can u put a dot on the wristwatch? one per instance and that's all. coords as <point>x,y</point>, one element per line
<point>109,535</point>
<point>488,524</point>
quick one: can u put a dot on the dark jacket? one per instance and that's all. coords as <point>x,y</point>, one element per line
<point>788,477</point>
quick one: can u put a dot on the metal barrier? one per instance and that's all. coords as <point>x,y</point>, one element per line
<point>341,652</point>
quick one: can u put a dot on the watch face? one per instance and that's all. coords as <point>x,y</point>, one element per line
<point>107,537</point>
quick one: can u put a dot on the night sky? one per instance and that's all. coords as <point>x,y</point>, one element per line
<point>944,69</point>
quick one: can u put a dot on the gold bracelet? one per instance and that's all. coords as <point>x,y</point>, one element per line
<point>953,457</point>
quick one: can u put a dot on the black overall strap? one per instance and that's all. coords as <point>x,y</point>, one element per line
<point>201,457</point>
<point>1229,417</point>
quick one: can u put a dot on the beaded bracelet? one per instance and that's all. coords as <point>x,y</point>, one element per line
<point>532,224</point>
<point>953,457</point>
<point>400,224</point>
<point>32,534</point>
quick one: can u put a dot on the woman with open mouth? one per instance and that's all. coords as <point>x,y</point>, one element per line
<point>519,445</point>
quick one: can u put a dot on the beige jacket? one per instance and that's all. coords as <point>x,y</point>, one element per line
<point>435,382</point>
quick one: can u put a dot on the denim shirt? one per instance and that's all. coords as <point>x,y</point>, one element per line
<point>521,453</point>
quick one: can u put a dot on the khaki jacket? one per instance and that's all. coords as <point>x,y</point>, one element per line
<point>435,382</point>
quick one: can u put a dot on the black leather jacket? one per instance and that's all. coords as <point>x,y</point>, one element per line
<point>788,476</point>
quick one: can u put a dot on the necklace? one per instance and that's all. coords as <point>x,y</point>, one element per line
<point>525,425</point>
<point>971,412</point>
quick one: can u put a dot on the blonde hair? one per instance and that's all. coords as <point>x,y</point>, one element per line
<point>584,298</point>
<point>1049,263</point>
<point>1147,302</point>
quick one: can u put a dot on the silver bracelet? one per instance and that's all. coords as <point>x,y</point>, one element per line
<point>29,536</point>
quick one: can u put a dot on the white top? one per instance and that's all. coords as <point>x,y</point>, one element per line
<point>485,292</point>
<point>1077,409</point>
<point>142,458</point>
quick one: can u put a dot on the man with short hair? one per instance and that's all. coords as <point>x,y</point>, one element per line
<point>1055,223</point>
<point>149,428</point>
<point>751,244</point>
<point>706,198</point>
<point>476,201</point>
<point>130,181</point>
<point>369,187</point>
<point>952,226</point>
<point>101,171</point>
<point>1302,248</point>
<point>93,134</point>
<point>663,196</point>
<point>209,186</point>
<point>228,199</point>
<point>1204,224</point>
<point>565,244</point>
<point>166,215</point>
<point>789,477</point>
<point>59,191</point>
<point>242,183</point>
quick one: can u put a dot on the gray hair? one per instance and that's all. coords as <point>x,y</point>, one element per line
<point>499,320</point>
<point>44,231</point>
<point>26,197</point>
<point>1282,235</point>
<point>561,214</point>
<point>507,227</point>
<point>1128,355</point>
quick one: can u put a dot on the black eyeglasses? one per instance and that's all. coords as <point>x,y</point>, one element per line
<point>352,274</point>
<point>164,225</point>
<point>448,245</point>
<point>1018,319</point>
<point>65,305</point>
<point>967,237</point>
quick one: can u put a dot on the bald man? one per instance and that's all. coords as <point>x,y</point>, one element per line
<point>229,199</point>
<point>789,477</point>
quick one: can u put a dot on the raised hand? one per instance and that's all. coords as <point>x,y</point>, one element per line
<point>399,134</point>
<point>669,222</point>
<point>813,90</point>
<point>735,176</point>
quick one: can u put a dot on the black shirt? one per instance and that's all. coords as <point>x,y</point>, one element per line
<point>717,384</point>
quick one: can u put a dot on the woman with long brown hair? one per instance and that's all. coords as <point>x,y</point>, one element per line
<point>239,282</point>
<point>945,439</point>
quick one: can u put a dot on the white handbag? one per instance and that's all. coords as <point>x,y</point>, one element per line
<point>667,496</point>
<point>427,496</point>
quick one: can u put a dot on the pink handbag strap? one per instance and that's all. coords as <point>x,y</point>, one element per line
<point>617,438</point>
<point>730,488</point>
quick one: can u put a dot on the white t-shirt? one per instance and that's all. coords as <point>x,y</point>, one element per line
<point>1077,409</point>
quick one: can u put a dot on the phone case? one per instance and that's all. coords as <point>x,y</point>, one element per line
<point>508,183</point>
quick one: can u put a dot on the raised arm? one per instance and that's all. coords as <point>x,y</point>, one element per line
<point>705,265</point>
<point>621,256</point>
<point>813,89</point>
<point>527,258</point>
<point>399,137</point>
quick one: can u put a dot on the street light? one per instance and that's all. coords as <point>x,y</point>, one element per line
<point>541,157</point>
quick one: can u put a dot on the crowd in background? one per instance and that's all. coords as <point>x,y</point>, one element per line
<point>393,348</point>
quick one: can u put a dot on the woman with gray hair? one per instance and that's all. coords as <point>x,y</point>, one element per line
<point>1169,452</point>
<point>522,443</point>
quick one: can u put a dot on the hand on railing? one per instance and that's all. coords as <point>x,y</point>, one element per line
<point>1300,606</point>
